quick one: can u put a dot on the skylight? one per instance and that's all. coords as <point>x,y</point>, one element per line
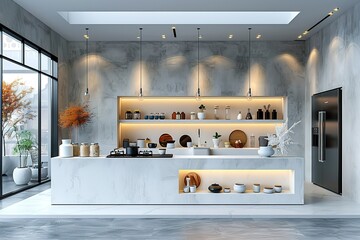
<point>150,17</point>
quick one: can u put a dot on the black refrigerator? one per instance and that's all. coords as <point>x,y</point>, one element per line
<point>326,140</point>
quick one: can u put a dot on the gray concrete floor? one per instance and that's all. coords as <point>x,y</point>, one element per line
<point>87,228</point>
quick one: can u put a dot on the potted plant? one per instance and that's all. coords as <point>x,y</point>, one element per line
<point>16,109</point>
<point>24,143</point>
<point>216,139</point>
<point>201,113</point>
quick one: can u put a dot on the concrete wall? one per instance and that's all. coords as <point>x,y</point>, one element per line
<point>334,61</point>
<point>170,69</point>
<point>22,22</point>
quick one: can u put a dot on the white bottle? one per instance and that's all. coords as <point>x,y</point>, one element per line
<point>66,148</point>
<point>239,117</point>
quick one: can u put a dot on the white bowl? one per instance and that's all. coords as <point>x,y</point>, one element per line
<point>239,187</point>
<point>162,151</point>
<point>268,190</point>
<point>277,188</point>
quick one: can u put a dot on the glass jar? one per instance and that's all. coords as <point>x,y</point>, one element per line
<point>94,150</point>
<point>227,112</point>
<point>192,116</point>
<point>137,114</point>
<point>182,115</point>
<point>178,116</point>
<point>252,141</point>
<point>157,116</point>
<point>84,150</point>
<point>128,115</point>
<point>216,116</point>
<point>76,149</point>
<point>162,116</point>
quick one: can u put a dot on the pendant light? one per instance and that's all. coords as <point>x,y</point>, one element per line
<point>249,95</point>
<point>86,37</point>
<point>198,95</point>
<point>140,78</point>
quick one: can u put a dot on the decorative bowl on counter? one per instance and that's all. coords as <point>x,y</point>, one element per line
<point>267,151</point>
<point>152,145</point>
<point>278,188</point>
<point>268,190</point>
<point>215,188</point>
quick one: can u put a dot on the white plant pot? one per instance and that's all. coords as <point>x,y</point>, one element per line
<point>267,151</point>
<point>216,142</point>
<point>201,115</point>
<point>21,176</point>
<point>66,148</point>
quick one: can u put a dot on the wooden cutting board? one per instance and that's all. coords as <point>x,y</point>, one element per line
<point>195,179</point>
<point>237,135</point>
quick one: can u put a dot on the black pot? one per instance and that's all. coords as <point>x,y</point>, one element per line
<point>152,145</point>
<point>215,188</point>
<point>132,151</point>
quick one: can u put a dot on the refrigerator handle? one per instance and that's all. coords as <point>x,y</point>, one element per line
<point>322,136</point>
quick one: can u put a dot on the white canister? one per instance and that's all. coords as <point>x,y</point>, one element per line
<point>66,148</point>
<point>140,143</point>
<point>94,150</point>
<point>256,188</point>
<point>193,189</point>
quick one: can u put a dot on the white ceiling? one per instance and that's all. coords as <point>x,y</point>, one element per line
<point>311,11</point>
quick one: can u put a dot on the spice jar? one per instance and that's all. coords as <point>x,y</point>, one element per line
<point>173,115</point>
<point>178,116</point>
<point>216,116</point>
<point>182,115</point>
<point>84,150</point>
<point>227,112</point>
<point>94,150</point>
<point>128,115</point>
<point>162,116</point>
<point>76,149</point>
<point>137,114</point>
<point>192,116</point>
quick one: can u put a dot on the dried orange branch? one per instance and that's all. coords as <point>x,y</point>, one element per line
<point>75,116</point>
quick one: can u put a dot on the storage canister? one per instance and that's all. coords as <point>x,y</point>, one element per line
<point>94,150</point>
<point>76,149</point>
<point>84,150</point>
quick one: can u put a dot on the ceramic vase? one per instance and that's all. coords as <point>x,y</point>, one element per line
<point>21,176</point>
<point>66,148</point>
<point>216,142</point>
<point>201,115</point>
<point>267,151</point>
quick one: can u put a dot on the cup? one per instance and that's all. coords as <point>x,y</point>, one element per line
<point>189,144</point>
<point>193,188</point>
<point>278,188</point>
<point>227,144</point>
<point>186,189</point>
<point>162,151</point>
<point>256,188</point>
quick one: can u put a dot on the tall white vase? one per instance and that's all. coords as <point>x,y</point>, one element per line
<point>66,148</point>
<point>216,142</point>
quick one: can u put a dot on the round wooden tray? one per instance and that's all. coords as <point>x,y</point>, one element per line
<point>195,179</point>
<point>237,135</point>
<point>164,138</point>
<point>184,139</point>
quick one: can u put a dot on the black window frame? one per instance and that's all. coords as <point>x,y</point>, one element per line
<point>53,104</point>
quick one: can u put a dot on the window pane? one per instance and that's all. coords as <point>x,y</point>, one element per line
<point>45,64</point>
<point>19,109</point>
<point>31,57</point>
<point>55,70</point>
<point>1,37</point>
<point>45,119</point>
<point>12,48</point>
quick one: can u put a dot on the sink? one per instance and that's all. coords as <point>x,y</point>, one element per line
<point>200,151</point>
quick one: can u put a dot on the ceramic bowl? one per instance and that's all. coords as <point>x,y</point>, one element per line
<point>152,145</point>
<point>162,151</point>
<point>278,188</point>
<point>170,145</point>
<point>239,187</point>
<point>227,190</point>
<point>268,190</point>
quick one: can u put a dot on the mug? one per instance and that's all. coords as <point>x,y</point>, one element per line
<point>189,144</point>
<point>256,188</point>
<point>193,188</point>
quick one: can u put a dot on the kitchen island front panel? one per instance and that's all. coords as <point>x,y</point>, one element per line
<point>161,180</point>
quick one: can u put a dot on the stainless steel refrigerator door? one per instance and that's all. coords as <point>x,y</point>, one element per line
<point>326,140</point>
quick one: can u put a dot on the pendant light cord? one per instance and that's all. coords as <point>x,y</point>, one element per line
<point>198,65</point>
<point>140,46</point>
<point>87,60</point>
<point>249,93</point>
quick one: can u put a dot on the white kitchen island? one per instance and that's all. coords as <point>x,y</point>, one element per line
<point>104,180</point>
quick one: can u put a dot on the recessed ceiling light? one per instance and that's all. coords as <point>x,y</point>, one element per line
<point>331,13</point>
<point>230,36</point>
<point>163,36</point>
<point>300,36</point>
<point>178,17</point>
<point>258,36</point>
<point>336,9</point>
<point>173,28</point>
<point>306,32</point>
<point>138,37</point>
<point>200,36</point>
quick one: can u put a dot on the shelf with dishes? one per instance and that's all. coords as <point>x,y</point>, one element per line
<point>205,121</point>
<point>247,192</point>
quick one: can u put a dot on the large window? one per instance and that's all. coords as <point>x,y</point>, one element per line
<point>28,77</point>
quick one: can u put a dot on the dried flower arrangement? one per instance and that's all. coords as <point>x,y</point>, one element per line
<point>282,139</point>
<point>16,107</point>
<point>75,116</point>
